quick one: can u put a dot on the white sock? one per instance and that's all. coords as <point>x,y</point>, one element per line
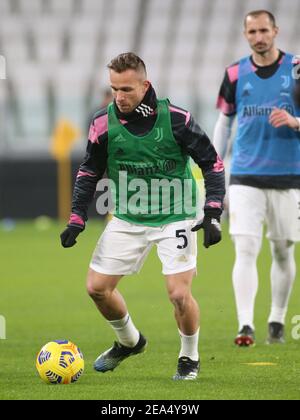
<point>189,346</point>
<point>283,277</point>
<point>245,278</point>
<point>126,332</point>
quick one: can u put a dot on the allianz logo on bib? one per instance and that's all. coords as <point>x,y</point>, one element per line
<point>144,169</point>
<point>264,111</point>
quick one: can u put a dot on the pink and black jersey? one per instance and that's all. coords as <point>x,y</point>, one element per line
<point>187,133</point>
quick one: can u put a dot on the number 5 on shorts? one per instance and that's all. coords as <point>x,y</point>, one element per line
<point>180,234</point>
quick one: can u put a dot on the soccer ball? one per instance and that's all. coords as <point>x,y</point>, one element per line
<point>60,362</point>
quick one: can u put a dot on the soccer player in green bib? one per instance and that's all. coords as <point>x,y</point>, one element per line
<point>144,145</point>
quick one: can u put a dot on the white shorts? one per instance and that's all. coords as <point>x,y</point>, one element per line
<point>251,207</point>
<point>123,247</point>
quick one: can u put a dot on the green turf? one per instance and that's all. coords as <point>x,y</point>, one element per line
<point>43,298</point>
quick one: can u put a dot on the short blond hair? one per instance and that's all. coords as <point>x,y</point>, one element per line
<point>127,61</point>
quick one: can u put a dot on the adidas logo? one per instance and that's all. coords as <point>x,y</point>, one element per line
<point>247,88</point>
<point>119,139</point>
<point>183,259</point>
<point>120,152</point>
<point>145,110</point>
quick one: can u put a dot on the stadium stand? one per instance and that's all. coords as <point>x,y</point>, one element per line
<point>56,52</point>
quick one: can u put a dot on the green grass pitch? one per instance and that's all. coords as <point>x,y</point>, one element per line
<point>43,298</point>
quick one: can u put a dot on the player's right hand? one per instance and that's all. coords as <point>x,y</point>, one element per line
<point>280,118</point>
<point>68,237</point>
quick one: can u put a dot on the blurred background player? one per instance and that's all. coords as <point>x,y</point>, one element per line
<point>107,98</point>
<point>262,92</point>
<point>136,132</point>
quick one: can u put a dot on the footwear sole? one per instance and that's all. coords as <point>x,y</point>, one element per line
<point>182,378</point>
<point>244,341</point>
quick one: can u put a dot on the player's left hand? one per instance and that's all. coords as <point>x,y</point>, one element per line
<point>280,118</point>
<point>212,230</point>
<point>68,237</point>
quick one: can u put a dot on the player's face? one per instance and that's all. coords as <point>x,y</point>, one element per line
<point>260,33</point>
<point>128,88</point>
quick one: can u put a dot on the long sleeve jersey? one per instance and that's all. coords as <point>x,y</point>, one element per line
<point>187,133</point>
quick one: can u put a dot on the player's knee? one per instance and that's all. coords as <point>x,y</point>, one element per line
<point>282,251</point>
<point>179,297</point>
<point>247,247</point>
<point>97,288</point>
<point>98,293</point>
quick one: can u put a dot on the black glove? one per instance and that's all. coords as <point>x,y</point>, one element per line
<point>212,230</point>
<point>68,237</point>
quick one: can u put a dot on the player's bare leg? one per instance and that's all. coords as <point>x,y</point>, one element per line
<point>110,303</point>
<point>186,308</point>
<point>187,316</point>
